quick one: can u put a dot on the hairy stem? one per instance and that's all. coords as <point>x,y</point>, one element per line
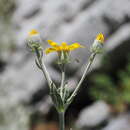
<point>62,80</point>
<point>46,74</point>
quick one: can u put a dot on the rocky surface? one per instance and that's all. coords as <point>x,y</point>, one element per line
<point>93,115</point>
<point>122,122</point>
<point>66,20</point>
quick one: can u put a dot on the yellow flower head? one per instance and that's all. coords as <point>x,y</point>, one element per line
<point>97,46</point>
<point>100,38</point>
<point>33,32</point>
<point>64,47</point>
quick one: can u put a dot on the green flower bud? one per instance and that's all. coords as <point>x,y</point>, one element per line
<point>34,41</point>
<point>97,46</point>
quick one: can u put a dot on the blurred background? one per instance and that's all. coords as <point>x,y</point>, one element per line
<point>103,103</point>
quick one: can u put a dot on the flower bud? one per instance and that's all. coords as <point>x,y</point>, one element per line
<point>34,36</point>
<point>97,46</point>
<point>34,40</point>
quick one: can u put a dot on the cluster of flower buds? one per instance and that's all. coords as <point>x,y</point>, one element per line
<point>60,95</point>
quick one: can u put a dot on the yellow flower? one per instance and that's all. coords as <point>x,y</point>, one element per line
<point>33,32</point>
<point>100,38</point>
<point>64,47</point>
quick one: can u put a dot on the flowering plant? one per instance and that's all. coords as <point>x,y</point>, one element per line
<point>60,95</point>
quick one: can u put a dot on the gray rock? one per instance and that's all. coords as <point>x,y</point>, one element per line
<point>93,115</point>
<point>122,122</point>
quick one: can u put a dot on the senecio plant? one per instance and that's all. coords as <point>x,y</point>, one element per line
<point>60,95</point>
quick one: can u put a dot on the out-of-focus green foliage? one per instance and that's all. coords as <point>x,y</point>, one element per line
<point>125,83</point>
<point>114,93</point>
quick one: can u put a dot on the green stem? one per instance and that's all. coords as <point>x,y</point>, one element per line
<point>39,55</point>
<point>62,80</point>
<point>62,120</point>
<point>46,74</point>
<point>83,77</point>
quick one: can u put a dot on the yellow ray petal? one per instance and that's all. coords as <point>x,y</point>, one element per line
<point>64,44</point>
<point>33,32</point>
<point>53,44</point>
<point>100,38</point>
<point>75,46</point>
<point>49,50</point>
